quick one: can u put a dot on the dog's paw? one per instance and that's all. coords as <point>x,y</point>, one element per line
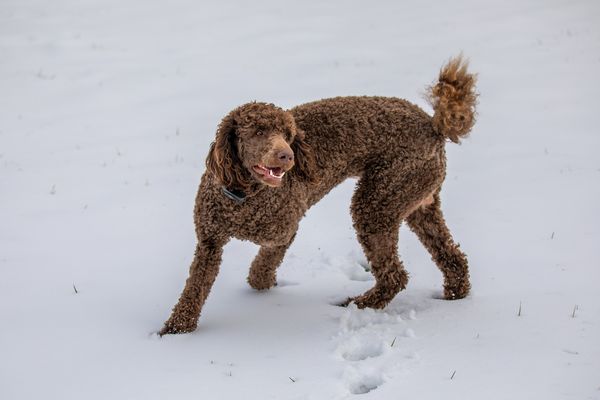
<point>261,282</point>
<point>457,291</point>
<point>365,301</point>
<point>174,327</point>
<point>372,300</point>
<point>171,330</point>
<point>381,294</point>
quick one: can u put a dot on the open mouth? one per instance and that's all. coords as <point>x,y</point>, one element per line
<point>269,173</point>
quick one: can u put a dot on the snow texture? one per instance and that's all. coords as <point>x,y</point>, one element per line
<point>107,109</point>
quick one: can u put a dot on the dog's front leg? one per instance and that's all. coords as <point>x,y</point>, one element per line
<point>203,271</point>
<point>263,271</point>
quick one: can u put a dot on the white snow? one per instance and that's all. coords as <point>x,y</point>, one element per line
<point>107,109</point>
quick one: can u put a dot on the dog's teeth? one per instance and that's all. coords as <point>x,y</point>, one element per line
<point>276,176</point>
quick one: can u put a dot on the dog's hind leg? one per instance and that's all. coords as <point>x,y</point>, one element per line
<point>381,251</point>
<point>263,271</point>
<point>385,195</point>
<point>203,271</point>
<point>429,225</point>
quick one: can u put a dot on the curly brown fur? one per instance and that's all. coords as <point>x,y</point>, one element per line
<point>223,160</point>
<point>262,273</point>
<point>453,99</point>
<point>286,161</point>
<point>429,225</point>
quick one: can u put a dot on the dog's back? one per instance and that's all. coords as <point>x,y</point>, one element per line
<point>349,134</point>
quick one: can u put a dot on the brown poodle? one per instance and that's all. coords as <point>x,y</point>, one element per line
<point>267,166</point>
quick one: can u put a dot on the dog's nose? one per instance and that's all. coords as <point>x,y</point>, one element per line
<point>285,156</point>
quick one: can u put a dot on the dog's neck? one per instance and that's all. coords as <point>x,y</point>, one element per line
<point>238,195</point>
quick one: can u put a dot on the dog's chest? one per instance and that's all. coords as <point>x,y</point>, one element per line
<point>268,221</point>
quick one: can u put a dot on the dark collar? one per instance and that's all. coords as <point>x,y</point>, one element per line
<point>236,195</point>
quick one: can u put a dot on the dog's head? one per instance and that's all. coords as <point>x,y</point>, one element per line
<point>259,142</point>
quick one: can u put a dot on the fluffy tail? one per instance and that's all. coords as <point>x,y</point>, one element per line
<point>453,99</point>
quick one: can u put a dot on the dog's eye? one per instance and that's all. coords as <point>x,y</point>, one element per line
<point>259,133</point>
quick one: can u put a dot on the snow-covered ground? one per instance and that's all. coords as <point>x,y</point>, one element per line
<point>106,112</point>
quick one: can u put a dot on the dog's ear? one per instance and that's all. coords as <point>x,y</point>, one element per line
<point>223,160</point>
<point>304,158</point>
